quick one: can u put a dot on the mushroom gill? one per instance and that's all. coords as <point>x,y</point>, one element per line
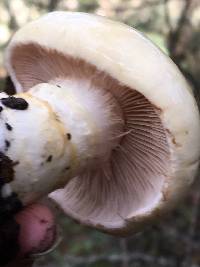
<point>131,181</point>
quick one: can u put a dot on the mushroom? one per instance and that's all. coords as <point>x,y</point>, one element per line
<point>109,127</point>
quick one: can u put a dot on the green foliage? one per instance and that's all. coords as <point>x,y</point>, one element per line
<point>88,5</point>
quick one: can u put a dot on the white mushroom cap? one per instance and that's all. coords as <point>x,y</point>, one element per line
<point>157,158</point>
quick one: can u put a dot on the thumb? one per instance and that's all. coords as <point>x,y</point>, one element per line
<point>33,231</point>
<point>37,229</point>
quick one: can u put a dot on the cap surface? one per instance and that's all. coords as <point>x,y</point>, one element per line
<point>158,156</point>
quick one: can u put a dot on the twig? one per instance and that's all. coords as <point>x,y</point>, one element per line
<point>13,25</point>
<point>167,15</point>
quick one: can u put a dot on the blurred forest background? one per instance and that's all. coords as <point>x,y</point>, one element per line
<point>174,25</point>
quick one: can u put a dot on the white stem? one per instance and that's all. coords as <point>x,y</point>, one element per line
<point>66,128</point>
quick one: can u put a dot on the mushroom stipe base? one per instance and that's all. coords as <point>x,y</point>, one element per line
<point>9,201</point>
<point>9,206</point>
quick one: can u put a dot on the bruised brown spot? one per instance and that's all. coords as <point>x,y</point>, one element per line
<point>69,136</point>
<point>173,139</point>
<point>175,143</point>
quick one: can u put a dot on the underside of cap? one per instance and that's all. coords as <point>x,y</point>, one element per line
<point>151,166</point>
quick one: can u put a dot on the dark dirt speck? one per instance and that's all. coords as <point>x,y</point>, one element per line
<point>7,144</point>
<point>8,126</point>
<point>15,103</point>
<point>49,159</point>
<point>69,136</point>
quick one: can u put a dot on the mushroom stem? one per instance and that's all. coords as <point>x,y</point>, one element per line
<point>60,129</point>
